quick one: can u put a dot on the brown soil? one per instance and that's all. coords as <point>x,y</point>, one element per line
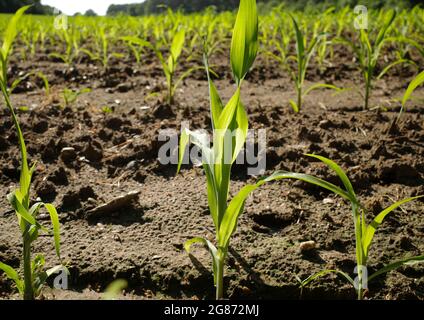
<point>143,243</point>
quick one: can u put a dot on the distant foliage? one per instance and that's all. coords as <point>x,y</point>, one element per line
<point>11,6</point>
<point>189,6</point>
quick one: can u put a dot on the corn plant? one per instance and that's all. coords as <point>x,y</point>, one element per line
<point>169,66</point>
<point>230,125</point>
<point>304,54</point>
<point>364,232</point>
<point>101,52</point>
<point>368,54</point>
<point>34,275</point>
<point>70,45</point>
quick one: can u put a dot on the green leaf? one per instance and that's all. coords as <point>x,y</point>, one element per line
<point>177,44</point>
<point>114,289</point>
<point>395,265</point>
<point>137,41</point>
<point>323,273</point>
<point>342,175</point>
<point>294,106</point>
<point>300,42</point>
<point>322,86</point>
<point>373,226</point>
<point>236,206</point>
<point>56,226</point>
<point>419,80</point>
<point>211,248</point>
<point>184,140</point>
<point>388,22</point>
<point>12,274</point>
<point>244,44</point>
<point>390,66</point>
<point>10,35</point>
<point>19,208</point>
<point>215,101</point>
<point>241,130</point>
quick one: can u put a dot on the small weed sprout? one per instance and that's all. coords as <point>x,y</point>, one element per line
<point>34,275</point>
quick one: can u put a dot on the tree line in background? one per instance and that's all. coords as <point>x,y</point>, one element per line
<point>188,6</point>
<point>11,6</point>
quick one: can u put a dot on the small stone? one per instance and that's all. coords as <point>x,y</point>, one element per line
<point>307,246</point>
<point>328,201</point>
<point>124,87</point>
<point>131,165</point>
<point>68,154</point>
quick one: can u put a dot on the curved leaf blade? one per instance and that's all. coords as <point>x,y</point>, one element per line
<point>373,226</point>
<point>244,44</point>
<point>396,265</point>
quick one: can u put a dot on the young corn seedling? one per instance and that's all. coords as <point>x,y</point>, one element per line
<point>230,125</point>
<point>368,54</point>
<point>303,56</point>
<point>101,53</point>
<point>34,275</point>
<point>169,66</point>
<point>364,232</point>
<point>70,96</point>
<point>217,161</point>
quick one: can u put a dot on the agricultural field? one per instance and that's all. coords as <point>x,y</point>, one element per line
<point>93,94</point>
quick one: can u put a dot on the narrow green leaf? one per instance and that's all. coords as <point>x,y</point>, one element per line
<point>395,265</point>
<point>10,34</point>
<point>13,275</point>
<point>373,226</point>
<point>300,42</point>
<point>211,248</point>
<point>115,289</point>
<point>342,175</point>
<point>323,273</point>
<point>19,208</point>
<point>177,44</point>
<point>294,106</point>
<point>184,140</point>
<point>322,86</point>
<point>389,20</point>
<point>56,226</point>
<point>215,101</point>
<point>236,206</point>
<point>244,44</point>
<point>419,80</point>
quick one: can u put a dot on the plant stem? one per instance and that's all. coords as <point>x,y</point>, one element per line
<point>170,90</point>
<point>220,278</point>
<point>359,251</point>
<point>28,291</point>
<point>299,97</point>
<point>367,91</point>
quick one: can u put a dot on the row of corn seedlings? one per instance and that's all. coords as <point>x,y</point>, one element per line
<point>295,40</point>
